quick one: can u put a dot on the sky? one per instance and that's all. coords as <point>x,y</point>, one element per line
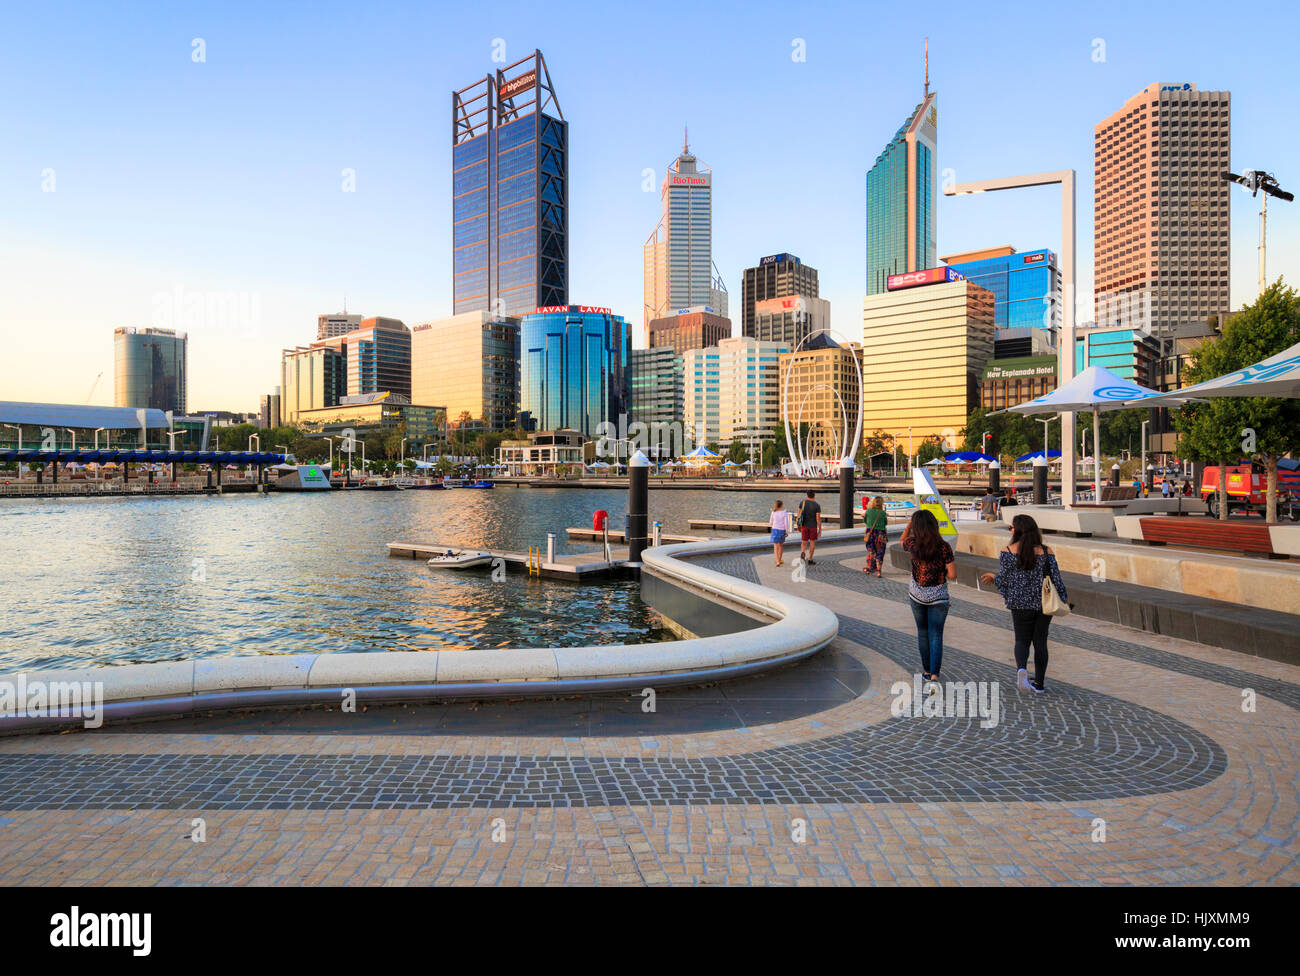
<point>187,164</point>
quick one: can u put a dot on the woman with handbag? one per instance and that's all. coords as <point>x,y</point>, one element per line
<point>933,564</point>
<point>1030,582</point>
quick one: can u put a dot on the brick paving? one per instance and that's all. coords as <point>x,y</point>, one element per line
<point>1139,767</point>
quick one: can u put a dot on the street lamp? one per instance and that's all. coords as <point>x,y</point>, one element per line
<point>984,442</point>
<point>1065,354</point>
<point>99,430</point>
<point>74,436</point>
<point>1045,424</point>
<point>1144,444</point>
<point>1255,180</point>
<point>254,437</point>
<point>17,427</point>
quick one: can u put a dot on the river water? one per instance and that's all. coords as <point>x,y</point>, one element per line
<point>127,580</point>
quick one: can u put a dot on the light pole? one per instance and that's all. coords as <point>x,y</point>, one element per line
<point>74,436</point>
<point>1065,354</point>
<point>17,427</point>
<point>401,463</point>
<point>1144,444</point>
<point>984,442</point>
<point>1255,180</point>
<point>254,437</point>
<point>1045,424</point>
<point>98,431</point>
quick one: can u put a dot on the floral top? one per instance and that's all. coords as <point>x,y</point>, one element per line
<point>929,583</point>
<point>875,519</point>
<point>1023,588</point>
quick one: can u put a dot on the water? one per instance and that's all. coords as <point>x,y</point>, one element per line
<point>127,580</point>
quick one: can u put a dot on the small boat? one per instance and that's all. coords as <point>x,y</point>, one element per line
<point>459,559</point>
<point>482,484</point>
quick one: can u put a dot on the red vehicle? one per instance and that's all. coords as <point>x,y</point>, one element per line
<point>1247,488</point>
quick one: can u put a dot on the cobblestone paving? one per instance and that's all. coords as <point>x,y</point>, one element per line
<point>1135,737</point>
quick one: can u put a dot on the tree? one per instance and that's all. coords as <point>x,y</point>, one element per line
<point>781,449</point>
<point>738,452</point>
<point>929,449</point>
<point>1261,428</point>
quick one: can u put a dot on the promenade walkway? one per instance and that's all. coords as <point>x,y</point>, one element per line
<point>798,777</point>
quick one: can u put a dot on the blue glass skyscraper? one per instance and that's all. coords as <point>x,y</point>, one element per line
<point>1026,287</point>
<point>573,368</point>
<point>901,190</point>
<point>510,192</point>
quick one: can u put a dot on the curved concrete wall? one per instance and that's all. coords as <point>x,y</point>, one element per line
<point>798,629</point>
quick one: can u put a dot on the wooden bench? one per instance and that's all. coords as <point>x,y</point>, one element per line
<point>1118,493</point>
<point>1207,533</point>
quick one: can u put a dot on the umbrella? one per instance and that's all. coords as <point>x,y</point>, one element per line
<point>935,463</point>
<point>731,464</point>
<point>969,457</point>
<point>1095,389</point>
<point>1276,376</point>
<point>1037,454</point>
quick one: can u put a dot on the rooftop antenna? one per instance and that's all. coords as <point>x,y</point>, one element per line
<point>927,67</point>
<point>686,140</point>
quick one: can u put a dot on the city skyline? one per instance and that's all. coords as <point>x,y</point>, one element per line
<point>223,187</point>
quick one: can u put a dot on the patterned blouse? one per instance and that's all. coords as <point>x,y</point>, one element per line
<point>1023,588</point>
<point>929,583</point>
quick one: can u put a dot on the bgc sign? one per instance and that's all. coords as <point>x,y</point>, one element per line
<point>930,276</point>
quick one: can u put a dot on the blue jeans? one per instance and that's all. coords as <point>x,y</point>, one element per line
<point>929,633</point>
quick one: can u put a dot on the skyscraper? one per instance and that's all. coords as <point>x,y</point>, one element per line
<point>1026,287</point>
<point>1160,212</point>
<point>510,192</point>
<point>149,369</point>
<point>376,356</point>
<point>470,364</point>
<point>573,368</point>
<point>901,189</point>
<point>776,276</point>
<point>689,329</point>
<point>334,324</point>
<point>678,256</point>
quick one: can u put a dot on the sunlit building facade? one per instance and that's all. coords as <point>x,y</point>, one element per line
<point>311,378</point>
<point>924,349</point>
<point>470,363</point>
<point>510,192</point>
<point>791,320</point>
<point>692,328</point>
<point>655,386</point>
<point>775,276</point>
<point>377,357</point>
<point>1026,286</point>
<point>902,187</point>
<point>731,392</point>
<point>150,369</point>
<point>573,368</point>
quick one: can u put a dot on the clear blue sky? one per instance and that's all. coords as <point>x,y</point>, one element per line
<point>224,177</point>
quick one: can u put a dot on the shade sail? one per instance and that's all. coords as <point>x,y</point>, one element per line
<point>1096,388</point>
<point>1276,376</point>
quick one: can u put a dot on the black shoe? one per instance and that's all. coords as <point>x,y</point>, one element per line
<point>812,562</point>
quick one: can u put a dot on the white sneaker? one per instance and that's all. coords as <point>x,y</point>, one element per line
<point>1022,680</point>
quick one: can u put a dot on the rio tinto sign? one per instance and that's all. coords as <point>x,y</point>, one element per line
<point>689,180</point>
<point>511,88</point>
<point>930,276</point>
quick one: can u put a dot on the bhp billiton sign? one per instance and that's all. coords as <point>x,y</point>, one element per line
<point>930,276</point>
<point>514,86</point>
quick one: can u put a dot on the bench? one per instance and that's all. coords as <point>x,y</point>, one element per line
<point>1207,533</point>
<point>1118,493</point>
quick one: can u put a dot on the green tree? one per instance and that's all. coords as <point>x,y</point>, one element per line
<point>1223,429</point>
<point>738,452</point>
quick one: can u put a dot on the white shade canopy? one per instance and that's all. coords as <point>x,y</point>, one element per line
<point>1276,376</point>
<point>1096,389</point>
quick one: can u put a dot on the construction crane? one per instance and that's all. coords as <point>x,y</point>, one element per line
<point>93,386</point>
<point>1255,180</point>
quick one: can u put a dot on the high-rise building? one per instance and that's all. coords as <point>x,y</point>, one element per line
<point>470,363</point>
<point>925,343</point>
<point>690,328</point>
<point>311,378</point>
<point>510,192</point>
<point>334,324</point>
<point>1009,382</point>
<point>822,391</point>
<point>655,387</point>
<point>1161,208</point>
<point>901,189</point>
<point>1128,352</point>
<point>678,256</point>
<point>268,413</point>
<point>791,320</point>
<point>776,276</point>
<point>150,369</point>
<point>731,391</point>
<point>377,355</point>
<point>1026,287</point>
<point>573,368</point>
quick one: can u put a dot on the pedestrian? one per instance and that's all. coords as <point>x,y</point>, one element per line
<point>1022,566</point>
<point>876,523</point>
<point>810,527</point>
<point>1166,490</point>
<point>780,524</point>
<point>989,506</point>
<point>933,564</point>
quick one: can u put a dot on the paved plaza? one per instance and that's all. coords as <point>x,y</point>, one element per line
<point>1140,766</point>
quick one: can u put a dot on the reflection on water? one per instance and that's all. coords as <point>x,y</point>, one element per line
<point>122,580</point>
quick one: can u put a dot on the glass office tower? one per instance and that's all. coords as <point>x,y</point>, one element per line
<point>573,373</point>
<point>1026,287</point>
<point>510,193</point>
<point>149,369</point>
<point>901,191</point>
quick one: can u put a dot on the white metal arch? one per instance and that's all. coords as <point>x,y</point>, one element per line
<point>785,398</point>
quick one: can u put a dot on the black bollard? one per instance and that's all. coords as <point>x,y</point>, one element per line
<point>846,493</point>
<point>1114,475</point>
<point>995,478</point>
<point>638,505</point>
<point>1151,478</point>
<point>209,477</point>
<point>1040,481</point>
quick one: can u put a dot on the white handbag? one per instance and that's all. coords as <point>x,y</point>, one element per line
<point>1053,605</point>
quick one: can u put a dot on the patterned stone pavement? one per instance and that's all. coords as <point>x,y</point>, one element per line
<point>1139,766</point>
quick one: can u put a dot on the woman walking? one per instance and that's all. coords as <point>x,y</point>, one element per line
<point>876,522</point>
<point>1022,565</point>
<point>780,524</point>
<point>932,566</point>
